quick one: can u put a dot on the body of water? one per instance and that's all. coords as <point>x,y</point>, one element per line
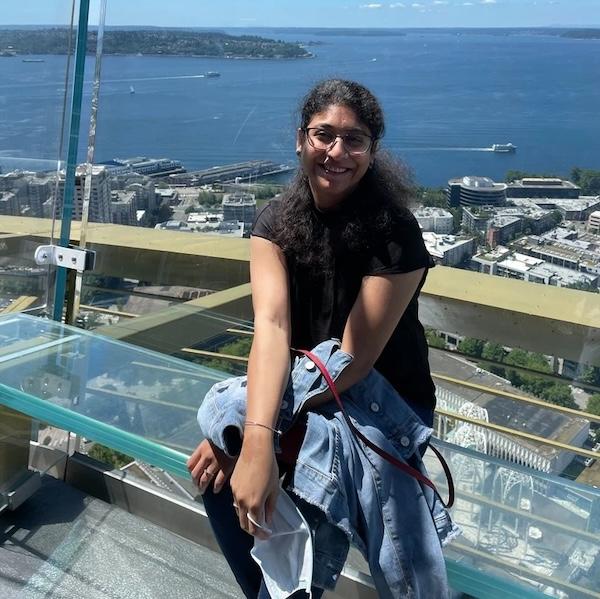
<point>447,98</point>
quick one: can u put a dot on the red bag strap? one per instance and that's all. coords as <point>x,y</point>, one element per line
<point>381,452</point>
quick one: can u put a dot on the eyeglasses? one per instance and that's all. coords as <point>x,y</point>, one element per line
<point>356,143</point>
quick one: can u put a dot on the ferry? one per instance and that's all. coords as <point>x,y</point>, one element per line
<point>32,60</point>
<point>506,148</point>
<point>212,74</point>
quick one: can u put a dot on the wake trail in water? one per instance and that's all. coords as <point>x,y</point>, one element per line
<point>442,149</point>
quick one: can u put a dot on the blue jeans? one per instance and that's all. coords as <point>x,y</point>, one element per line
<point>236,544</point>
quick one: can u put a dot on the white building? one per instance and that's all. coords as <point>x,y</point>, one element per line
<point>594,222</point>
<point>449,250</point>
<point>436,220</point>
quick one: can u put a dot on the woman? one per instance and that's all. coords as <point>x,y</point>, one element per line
<point>338,256</point>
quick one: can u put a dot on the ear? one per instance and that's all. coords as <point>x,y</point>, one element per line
<point>299,140</point>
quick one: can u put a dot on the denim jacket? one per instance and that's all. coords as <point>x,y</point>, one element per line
<point>346,491</point>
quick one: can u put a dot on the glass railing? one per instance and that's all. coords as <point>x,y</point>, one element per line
<point>39,111</point>
<point>519,526</point>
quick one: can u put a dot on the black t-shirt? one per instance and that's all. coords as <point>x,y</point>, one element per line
<point>320,305</point>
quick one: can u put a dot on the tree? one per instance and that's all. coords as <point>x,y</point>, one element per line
<point>434,340</point>
<point>559,394</point>
<point>590,375</point>
<point>493,351</point>
<point>587,179</point>
<point>434,197</point>
<point>471,346</point>
<point>514,175</point>
<point>593,404</point>
<point>109,456</point>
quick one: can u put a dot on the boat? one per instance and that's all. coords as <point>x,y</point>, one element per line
<point>212,74</point>
<point>505,148</point>
<point>131,89</point>
<point>32,60</point>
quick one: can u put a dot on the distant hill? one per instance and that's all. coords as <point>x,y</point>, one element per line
<point>167,42</point>
<point>582,34</point>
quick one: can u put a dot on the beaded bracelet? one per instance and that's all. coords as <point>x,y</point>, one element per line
<point>252,423</point>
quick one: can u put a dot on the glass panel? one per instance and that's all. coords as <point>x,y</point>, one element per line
<point>523,525</point>
<point>36,64</point>
<point>132,400</point>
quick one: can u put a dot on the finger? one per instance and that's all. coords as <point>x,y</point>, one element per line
<point>205,480</point>
<point>199,469</point>
<point>220,480</point>
<point>196,454</point>
<point>243,520</point>
<point>270,504</point>
<point>256,528</point>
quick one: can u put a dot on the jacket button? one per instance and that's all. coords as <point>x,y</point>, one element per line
<point>404,441</point>
<point>310,366</point>
<point>284,404</point>
<point>375,407</point>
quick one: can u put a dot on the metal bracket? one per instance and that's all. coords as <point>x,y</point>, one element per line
<point>70,257</point>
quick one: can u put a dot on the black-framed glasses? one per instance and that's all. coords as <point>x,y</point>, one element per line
<point>356,143</point>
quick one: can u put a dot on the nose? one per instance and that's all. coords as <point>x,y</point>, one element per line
<point>337,149</point>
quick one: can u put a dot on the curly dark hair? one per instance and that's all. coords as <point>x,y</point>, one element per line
<point>366,216</point>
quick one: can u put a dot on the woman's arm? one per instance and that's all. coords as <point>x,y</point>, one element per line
<point>380,304</point>
<point>255,481</point>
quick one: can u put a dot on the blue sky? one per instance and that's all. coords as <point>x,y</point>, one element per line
<point>318,13</point>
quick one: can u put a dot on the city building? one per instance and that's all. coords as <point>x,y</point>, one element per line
<point>564,247</point>
<point>123,208</point>
<point>476,218</point>
<point>229,173</point>
<point>151,167</point>
<point>436,220</point>
<point>475,191</point>
<point>449,250</point>
<point>534,187</point>
<point>167,195</point>
<point>578,209</point>
<point>99,208</point>
<point>594,222</point>
<point>9,203</point>
<point>514,265</point>
<point>503,228</point>
<point>239,206</point>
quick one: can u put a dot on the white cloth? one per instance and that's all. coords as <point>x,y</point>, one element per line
<point>286,557</point>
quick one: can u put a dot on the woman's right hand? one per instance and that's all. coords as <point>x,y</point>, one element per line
<point>255,481</point>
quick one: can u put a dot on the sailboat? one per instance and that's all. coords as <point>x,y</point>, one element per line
<point>131,89</point>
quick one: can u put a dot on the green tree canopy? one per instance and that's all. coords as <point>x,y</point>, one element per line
<point>471,346</point>
<point>493,351</point>
<point>587,179</point>
<point>593,404</point>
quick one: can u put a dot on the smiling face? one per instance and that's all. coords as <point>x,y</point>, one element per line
<point>333,173</point>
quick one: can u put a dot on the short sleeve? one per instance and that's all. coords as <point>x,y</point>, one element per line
<point>263,223</point>
<point>404,251</point>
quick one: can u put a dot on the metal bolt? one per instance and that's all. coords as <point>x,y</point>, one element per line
<point>73,260</point>
<point>60,257</point>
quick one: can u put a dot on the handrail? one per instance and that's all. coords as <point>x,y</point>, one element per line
<point>107,311</point>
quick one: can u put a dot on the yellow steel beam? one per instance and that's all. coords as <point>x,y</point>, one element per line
<point>515,396</point>
<point>515,433</point>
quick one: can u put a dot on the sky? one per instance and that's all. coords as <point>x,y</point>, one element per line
<point>316,13</point>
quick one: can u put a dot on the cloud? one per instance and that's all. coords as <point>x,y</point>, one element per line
<point>488,2</point>
<point>467,4</point>
<point>371,6</point>
<point>440,2</point>
<point>417,5</point>
<point>397,5</point>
